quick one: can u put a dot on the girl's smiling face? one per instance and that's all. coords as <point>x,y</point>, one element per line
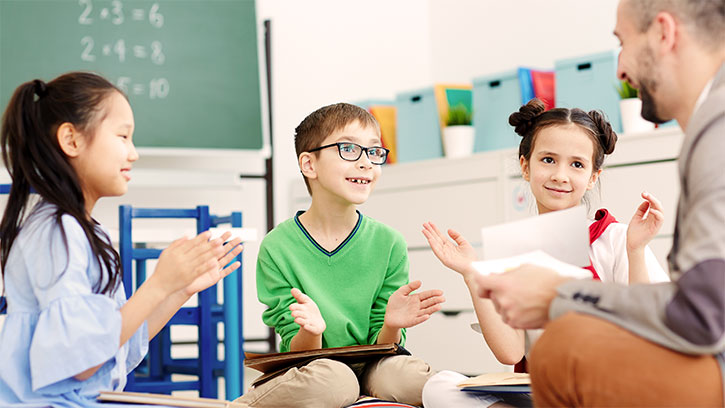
<point>560,168</point>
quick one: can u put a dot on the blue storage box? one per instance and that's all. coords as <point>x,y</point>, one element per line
<point>495,97</point>
<point>419,132</point>
<point>589,82</point>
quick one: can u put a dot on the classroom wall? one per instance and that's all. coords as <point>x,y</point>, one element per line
<point>325,51</point>
<point>471,38</point>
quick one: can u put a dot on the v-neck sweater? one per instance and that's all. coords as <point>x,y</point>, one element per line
<point>350,284</point>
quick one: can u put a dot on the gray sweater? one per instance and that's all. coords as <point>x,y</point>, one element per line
<point>688,314</point>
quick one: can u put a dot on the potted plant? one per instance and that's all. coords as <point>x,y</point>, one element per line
<point>630,107</point>
<point>458,134</point>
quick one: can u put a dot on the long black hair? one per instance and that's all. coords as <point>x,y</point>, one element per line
<point>34,159</point>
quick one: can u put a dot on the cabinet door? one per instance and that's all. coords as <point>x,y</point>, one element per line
<point>621,188</point>
<point>449,343</point>
<point>465,207</point>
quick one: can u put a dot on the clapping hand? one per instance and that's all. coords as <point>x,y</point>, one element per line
<point>407,309</point>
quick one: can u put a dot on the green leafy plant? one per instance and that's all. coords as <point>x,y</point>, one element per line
<point>626,90</point>
<point>459,115</point>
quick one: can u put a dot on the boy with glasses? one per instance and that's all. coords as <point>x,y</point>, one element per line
<point>332,277</point>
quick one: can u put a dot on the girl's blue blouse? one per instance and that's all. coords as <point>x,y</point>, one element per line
<point>56,326</point>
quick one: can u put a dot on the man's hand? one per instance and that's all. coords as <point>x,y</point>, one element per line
<point>523,295</point>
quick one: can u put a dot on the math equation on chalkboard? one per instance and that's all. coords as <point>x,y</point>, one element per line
<point>120,50</point>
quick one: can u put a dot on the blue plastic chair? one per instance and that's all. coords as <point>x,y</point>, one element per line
<point>155,374</point>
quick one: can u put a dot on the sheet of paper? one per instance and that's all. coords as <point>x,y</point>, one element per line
<point>562,234</point>
<point>537,257</point>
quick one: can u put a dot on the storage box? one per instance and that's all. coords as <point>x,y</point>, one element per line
<point>418,126</point>
<point>589,82</point>
<point>495,97</point>
<point>384,112</point>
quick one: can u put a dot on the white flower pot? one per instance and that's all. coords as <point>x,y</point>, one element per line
<point>458,141</point>
<point>632,121</point>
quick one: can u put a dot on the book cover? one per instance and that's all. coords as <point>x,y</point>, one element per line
<point>274,364</point>
<point>163,399</point>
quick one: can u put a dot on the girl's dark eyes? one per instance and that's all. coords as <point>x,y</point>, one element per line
<point>547,160</point>
<point>578,165</point>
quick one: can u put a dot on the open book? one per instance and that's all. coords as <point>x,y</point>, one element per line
<point>498,382</point>
<point>163,399</point>
<point>274,364</point>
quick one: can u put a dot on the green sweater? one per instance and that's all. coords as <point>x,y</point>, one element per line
<point>350,285</point>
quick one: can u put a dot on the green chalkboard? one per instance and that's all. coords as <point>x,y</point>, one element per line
<point>189,67</point>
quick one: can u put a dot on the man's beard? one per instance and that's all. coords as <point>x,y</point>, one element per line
<point>649,107</point>
<point>647,86</point>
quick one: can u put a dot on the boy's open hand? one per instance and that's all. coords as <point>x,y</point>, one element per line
<point>456,255</point>
<point>307,314</point>
<point>407,309</point>
<point>645,223</point>
<point>194,264</point>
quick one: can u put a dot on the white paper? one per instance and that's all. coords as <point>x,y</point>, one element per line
<point>562,234</point>
<point>539,258</point>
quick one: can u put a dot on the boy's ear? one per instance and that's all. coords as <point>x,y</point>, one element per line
<point>524,168</point>
<point>593,179</point>
<point>307,165</point>
<point>69,139</point>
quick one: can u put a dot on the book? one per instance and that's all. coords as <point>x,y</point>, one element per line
<point>498,382</point>
<point>271,365</point>
<point>163,399</point>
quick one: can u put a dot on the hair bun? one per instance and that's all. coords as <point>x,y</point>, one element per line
<point>607,136</point>
<point>523,120</point>
<point>40,88</point>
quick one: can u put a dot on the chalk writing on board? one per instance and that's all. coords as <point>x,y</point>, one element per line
<point>156,88</point>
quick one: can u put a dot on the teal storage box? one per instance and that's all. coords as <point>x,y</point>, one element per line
<point>589,82</point>
<point>495,97</point>
<point>418,128</point>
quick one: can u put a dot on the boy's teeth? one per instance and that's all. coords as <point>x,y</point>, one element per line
<point>359,181</point>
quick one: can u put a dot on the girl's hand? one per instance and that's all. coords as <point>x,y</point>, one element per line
<point>645,223</point>
<point>407,310</point>
<point>307,314</point>
<point>185,260</point>
<point>457,256</point>
<point>230,250</point>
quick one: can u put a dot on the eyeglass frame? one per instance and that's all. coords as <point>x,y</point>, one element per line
<point>362,149</point>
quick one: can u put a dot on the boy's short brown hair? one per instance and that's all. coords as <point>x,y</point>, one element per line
<point>321,123</point>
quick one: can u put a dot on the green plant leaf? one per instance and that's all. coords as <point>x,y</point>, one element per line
<point>459,115</point>
<point>626,90</point>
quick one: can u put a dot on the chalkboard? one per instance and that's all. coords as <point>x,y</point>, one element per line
<point>189,67</point>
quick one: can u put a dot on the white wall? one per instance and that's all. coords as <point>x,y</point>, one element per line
<point>471,38</point>
<point>325,51</point>
<point>328,51</point>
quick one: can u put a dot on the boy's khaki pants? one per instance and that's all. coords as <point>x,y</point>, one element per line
<point>327,383</point>
<point>581,360</point>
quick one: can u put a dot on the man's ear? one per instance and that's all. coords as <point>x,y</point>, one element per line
<point>307,165</point>
<point>69,139</point>
<point>524,168</point>
<point>665,32</point>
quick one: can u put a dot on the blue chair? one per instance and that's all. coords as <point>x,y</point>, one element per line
<point>4,189</point>
<point>155,374</point>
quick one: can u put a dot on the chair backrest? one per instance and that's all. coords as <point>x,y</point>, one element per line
<point>205,316</point>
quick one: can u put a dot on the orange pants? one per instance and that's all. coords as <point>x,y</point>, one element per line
<point>581,360</point>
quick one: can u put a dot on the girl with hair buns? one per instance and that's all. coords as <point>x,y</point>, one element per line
<point>70,332</point>
<point>561,155</point>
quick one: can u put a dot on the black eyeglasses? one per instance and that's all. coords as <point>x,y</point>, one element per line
<point>353,151</point>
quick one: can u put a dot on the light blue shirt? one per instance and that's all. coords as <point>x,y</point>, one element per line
<point>56,325</point>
